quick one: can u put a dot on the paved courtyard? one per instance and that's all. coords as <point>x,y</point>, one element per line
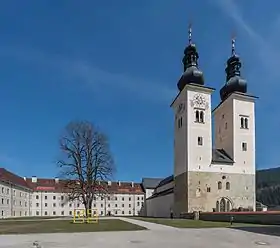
<point>157,237</point>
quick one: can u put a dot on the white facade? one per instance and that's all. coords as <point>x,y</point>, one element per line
<point>56,204</point>
<point>235,131</point>
<point>19,201</point>
<point>188,154</point>
<point>14,200</point>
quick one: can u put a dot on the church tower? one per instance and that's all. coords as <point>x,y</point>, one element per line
<point>234,121</point>
<point>192,128</point>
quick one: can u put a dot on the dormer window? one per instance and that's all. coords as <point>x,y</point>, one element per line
<point>199,116</point>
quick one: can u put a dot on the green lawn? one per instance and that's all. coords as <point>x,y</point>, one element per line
<point>64,226</point>
<point>185,223</point>
<point>31,218</point>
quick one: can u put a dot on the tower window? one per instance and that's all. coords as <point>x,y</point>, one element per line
<point>244,146</point>
<point>180,122</point>
<point>227,186</point>
<point>200,141</point>
<point>244,123</point>
<point>208,189</point>
<point>219,185</point>
<point>199,116</point>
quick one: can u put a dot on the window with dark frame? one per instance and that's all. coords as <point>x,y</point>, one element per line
<point>244,146</point>
<point>199,140</point>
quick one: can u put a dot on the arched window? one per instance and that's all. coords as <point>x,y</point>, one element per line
<point>223,205</point>
<point>246,123</point>
<point>220,185</point>
<point>242,122</point>
<point>227,186</point>
<point>217,206</point>
<point>197,116</point>
<point>201,116</point>
<point>228,206</point>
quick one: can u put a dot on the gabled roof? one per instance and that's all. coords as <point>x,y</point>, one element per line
<point>219,156</point>
<point>166,181</point>
<point>9,177</point>
<point>150,183</point>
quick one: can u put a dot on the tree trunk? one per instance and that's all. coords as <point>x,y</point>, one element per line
<point>88,206</point>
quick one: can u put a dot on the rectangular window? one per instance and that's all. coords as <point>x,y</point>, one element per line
<point>3,201</point>
<point>208,189</point>
<point>244,146</point>
<point>3,190</point>
<point>70,212</point>
<point>37,197</point>
<point>54,197</point>
<point>46,213</point>
<point>37,204</point>
<point>54,213</point>
<point>62,212</point>
<point>54,205</point>
<point>200,141</point>
<point>46,204</point>
<point>37,213</point>
<point>46,197</point>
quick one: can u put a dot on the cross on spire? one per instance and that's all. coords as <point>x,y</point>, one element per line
<point>233,46</point>
<point>190,33</point>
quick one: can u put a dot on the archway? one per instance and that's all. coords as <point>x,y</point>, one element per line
<point>224,204</point>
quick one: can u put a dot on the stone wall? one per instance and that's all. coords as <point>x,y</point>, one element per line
<point>268,217</point>
<point>241,191</point>
<point>181,194</point>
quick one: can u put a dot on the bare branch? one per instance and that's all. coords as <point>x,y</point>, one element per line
<point>86,162</point>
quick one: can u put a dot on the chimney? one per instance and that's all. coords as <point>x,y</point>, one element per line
<point>24,178</point>
<point>109,183</point>
<point>132,184</point>
<point>119,183</point>
<point>34,179</point>
<point>56,179</point>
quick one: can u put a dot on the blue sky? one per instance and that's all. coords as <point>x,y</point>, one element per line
<point>117,63</point>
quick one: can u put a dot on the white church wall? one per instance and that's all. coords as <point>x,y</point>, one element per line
<point>160,206</point>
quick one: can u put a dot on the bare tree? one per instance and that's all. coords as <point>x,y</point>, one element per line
<point>86,162</point>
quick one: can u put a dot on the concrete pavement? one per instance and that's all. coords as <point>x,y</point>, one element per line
<point>157,237</point>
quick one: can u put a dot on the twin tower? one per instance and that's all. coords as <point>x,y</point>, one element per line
<point>220,175</point>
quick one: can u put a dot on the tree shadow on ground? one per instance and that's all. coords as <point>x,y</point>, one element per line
<point>268,230</point>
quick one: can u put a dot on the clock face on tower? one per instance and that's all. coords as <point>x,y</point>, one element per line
<point>199,101</point>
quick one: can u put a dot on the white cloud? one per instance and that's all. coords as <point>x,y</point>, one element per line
<point>96,78</point>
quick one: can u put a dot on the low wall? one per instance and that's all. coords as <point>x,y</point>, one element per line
<point>268,217</point>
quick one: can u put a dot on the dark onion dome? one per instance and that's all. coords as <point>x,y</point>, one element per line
<point>234,81</point>
<point>190,61</point>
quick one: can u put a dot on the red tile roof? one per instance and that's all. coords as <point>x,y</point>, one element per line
<point>44,184</point>
<point>10,177</point>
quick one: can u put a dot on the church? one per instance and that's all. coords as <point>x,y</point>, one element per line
<point>209,175</point>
